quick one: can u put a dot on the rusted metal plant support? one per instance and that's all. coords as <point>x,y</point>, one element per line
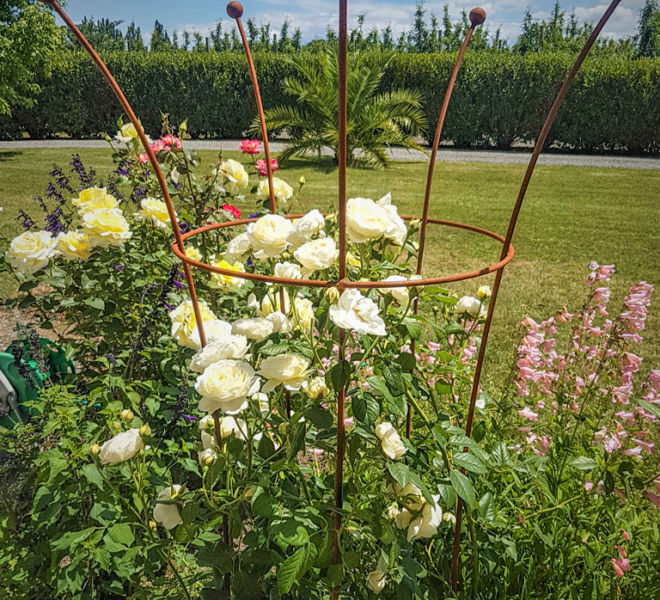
<point>538,147</point>
<point>235,10</point>
<point>477,17</point>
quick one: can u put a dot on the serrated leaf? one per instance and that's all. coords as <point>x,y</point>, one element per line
<point>287,572</point>
<point>463,487</point>
<point>400,473</point>
<point>469,462</point>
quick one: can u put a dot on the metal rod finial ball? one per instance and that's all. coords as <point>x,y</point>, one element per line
<point>235,10</point>
<point>477,16</point>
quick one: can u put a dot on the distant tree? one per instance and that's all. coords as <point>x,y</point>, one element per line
<point>103,34</point>
<point>186,39</point>
<point>648,38</point>
<point>175,40</point>
<point>29,39</point>
<point>419,33</point>
<point>134,41</point>
<point>388,38</point>
<point>160,39</point>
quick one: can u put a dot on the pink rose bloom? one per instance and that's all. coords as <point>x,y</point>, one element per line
<point>144,158</point>
<point>158,146</point>
<point>172,140</point>
<point>261,168</point>
<point>250,147</point>
<point>620,565</point>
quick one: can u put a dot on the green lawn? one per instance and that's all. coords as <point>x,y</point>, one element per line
<point>572,215</point>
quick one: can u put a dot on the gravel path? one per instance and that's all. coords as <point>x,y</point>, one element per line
<point>512,157</point>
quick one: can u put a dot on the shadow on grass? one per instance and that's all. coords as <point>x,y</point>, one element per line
<point>323,164</point>
<point>9,154</point>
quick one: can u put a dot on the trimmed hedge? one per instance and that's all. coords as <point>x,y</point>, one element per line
<point>614,104</point>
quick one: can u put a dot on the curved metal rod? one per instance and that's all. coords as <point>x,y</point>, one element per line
<point>150,153</point>
<point>344,284</point>
<point>538,147</point>
<point>477,17</point>
<point>235,11</point>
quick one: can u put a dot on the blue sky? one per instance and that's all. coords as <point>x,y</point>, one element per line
<point>312,16</point>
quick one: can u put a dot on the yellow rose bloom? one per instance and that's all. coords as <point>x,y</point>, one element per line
<point>88,194</point>
<point>156,210</point>
<point>129,131</point>
<point>194,253</point>
<point>235,175</point>
<point>218,280</point>
<point>74,245</point>
<point>282,190</point>
<point>184,322</point>
<point>106,227</point>
<point>106,201</point>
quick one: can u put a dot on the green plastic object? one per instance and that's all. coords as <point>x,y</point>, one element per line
<point>27,386</point>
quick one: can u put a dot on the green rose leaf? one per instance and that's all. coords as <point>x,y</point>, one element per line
<point>463,487</point>
<point>469,462</point>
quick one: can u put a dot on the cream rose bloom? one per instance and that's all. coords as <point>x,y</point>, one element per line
<point>484,291</point>
<point>400,294</point>
<point>254,329</point>
<point>289,370</point>
<point>396,230</point>
<point>106,227</point>
<point>471,306</point>
<point>168,514</point>
<point>126,133</point>
<point>305,228</point>
<point>422,522</point>
<point>194,253</point>
<point>376,581</point>
<point>31,251</point>
<point>365,220</point>
<point>207,456</point>
<point>74,245</point>
<point>355,311</point>
<point>315,388</point>
<point>156,211</point>
<point>283,191</point>
<point>228,347</point>
<point>235,176</point>
<point>279,322</point>
<point>106,201</point>
<point>390,441</point>
<point>218,280</point>
<point>87,195</point>
<point>184,323</point>
<point>214,329</point>
<point>231,426</point>
<point>122,447</point>
<point>287,270</point>
<point>269,234</point>
<point>238,248</point>
<point>317,255</point>
<point>225,385</point>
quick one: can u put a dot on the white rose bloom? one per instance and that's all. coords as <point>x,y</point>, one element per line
<point>282,190</point>
<point>235,176</point>
<point>305,228</point>
<point>365,220</point>
<point>122,447</point>
<point>207,457</point>
<point>397,230</point>
<point>290,370</point>
<point>287,270</point>
<point>106,227</point>
<point>231,426</point>
<point>31,251</point>
<point>208,439</point>
<point>205,423</point>
<point>184,324</point>
<point>390,441</point>
<point>279,322</point>
<point>225,385</point>
<point>231,346</point>
<point>376,581</point>
<point>400,294</point>
<point>214,329</point>
<point>156,211</point>
<point>252,302</point>
<point>317,255</point>
<point>168,514</point>
<point>315,388</point>
<point>355,311</point>
<point>426,522</point>
<point>269,234</point>
<point>484,291</point>
<point>238,248</point>
<point>471,306</point>
<point>254,329</point>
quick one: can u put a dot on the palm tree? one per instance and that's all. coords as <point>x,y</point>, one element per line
<point>376,120</point>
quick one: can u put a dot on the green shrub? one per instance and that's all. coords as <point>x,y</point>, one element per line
<point>499,98</point>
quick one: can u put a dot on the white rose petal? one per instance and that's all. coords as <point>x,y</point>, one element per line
<point>254,329</point>
<point>225,385</point>
<point>317,255</point>
<point>390,441</point>
<point>356,312</point>
<point>289,370</point>
<point>31,251</point>
<point>231,346</point>
<point>168,514</point>
<point>122,447</point>
<point>426,522</point>
<point>238,248</point>
<point>305,228</point>
<point>282,191</point>
<point>471,306</point>
<point>365,220</point>
<point>287,270</point>
<point>269,234</point>
<point>396,230</point>
<point>376,581</point>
